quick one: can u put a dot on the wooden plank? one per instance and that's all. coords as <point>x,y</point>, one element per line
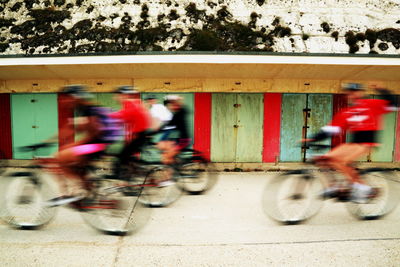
<point>385,152</point>
<point>46,119</point>
<point>5,126</point>
<point>107,100</point>
<point>272,126</point>
<point>64,114</point>
<point>320,106</point>
<point>250,120</point>
<point>397,141</point>
<point>339,103</point>
<point>292,126</point>
<point>202,123</point>
<point>223,133</point>
<point>22,121</point>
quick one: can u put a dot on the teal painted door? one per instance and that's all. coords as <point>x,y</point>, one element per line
<point>34,118</point>
<point>237,127</point>
<point>302,116</point>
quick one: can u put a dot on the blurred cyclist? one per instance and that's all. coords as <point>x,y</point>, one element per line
<point>159,112</point>
<point>363,119</point>
<point>176,134</point>
<point>74,157</point>
<point>137,121</point>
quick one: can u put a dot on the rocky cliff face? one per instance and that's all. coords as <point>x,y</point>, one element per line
<point>115,26</point>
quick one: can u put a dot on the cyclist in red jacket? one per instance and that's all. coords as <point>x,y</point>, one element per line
<point>137,122</point>
<point>363,120</point>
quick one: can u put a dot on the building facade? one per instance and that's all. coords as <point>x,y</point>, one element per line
<point>256,75</point>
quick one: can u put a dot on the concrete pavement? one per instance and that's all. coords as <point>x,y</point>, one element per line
<point>225,227</point>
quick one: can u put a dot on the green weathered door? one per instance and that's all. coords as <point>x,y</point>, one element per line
<point>292,123</point>
<point>237,127</point>
<point>34,118</point>
<point>320,114</point>
<point>384,153</point>
<point>302,116</point>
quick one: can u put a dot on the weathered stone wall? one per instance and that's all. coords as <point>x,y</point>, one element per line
<point>314,26</point>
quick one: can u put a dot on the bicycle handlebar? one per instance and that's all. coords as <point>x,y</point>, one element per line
<point>35,147</point>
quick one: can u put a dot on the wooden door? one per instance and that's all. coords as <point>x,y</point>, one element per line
<point>34,118</point>
<point>237,127</point>
<point>302,116</point>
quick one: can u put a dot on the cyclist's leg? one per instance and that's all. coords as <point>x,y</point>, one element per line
<point>342,156</point>
<point>73,162</point>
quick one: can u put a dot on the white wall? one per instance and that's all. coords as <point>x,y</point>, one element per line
<point>301,16</point>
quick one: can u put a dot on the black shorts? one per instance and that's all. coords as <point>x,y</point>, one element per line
<point>364,137</point>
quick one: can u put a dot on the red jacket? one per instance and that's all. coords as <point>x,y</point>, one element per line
<point>365,115</point>
<point>135,116</point>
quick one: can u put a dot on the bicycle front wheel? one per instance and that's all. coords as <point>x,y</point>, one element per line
<point>197,176</point>
<point>23,196</point>
<point>387,198</point>
<point>162,187</point>
<point>292,197</point>
<point>116,209</point>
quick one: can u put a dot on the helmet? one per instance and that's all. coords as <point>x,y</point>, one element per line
<point>76,91</point>
<point>125,89</point>
<point>172,97</point>
<point>149,97</point>
<point>353,87</point>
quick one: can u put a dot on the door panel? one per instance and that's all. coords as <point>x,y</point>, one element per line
<point>320,106</point>
<point>223,133</point>
<point>384,153</point>
<point>250,122</point>
<point>34,119</point>
<point>292,126</point>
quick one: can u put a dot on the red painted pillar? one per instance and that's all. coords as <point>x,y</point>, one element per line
<point>64,113</point>
<point>202,123</point>
<point>5,127</point>
<point>272,126</point>
<point>339,102</point>
<point>397,134</point>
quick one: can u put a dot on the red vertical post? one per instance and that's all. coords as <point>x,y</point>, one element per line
<point>202,123</point>
<point>339,103</point>
<point>272,126</point>
<point>64,113</point>
<point>5,127</point>
<point>397,134</point>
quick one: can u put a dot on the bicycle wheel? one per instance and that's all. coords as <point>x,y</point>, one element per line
<point>197,176</point>
<point>292,197</point>
<point>112,211</point>
<point>387,197</point>
<point>22,200</point>
<point>161,196</point>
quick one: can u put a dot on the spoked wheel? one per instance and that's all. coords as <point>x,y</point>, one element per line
<point>198,176</point>
<point>162,187</point>
<point>23,195</point>
<point>292,197</point>
<point>114,211</point>
<point>384,201</point>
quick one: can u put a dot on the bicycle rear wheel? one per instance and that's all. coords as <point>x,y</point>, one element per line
<point>113,211</point>
<point>158,195</point>
<point>292,197</point>
<point>387,198</point>
<point>23,195</point>
<point>197,176</point>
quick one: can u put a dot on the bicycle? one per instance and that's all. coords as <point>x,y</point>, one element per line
<point>24,196</point>
<point>190,173</point>
<point>294,196</point>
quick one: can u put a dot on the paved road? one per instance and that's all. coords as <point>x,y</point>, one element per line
<point>226,227</point>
